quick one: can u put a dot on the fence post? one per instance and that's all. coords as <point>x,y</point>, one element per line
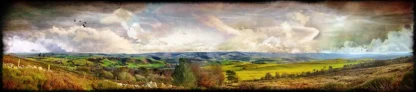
<point>18,63</point>
<point>49,67</point>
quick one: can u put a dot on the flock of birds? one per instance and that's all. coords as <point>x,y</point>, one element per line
<point>82,24</point>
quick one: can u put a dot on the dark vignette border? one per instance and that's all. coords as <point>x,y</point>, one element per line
<point>6,4</point>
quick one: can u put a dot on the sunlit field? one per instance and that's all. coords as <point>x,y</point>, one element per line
<point>249,71</point>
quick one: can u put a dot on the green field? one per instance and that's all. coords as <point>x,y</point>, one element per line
<point>133,65</point>
<point>256,71</point>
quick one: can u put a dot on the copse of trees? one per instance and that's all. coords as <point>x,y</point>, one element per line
<point>183,76</point>
<point>125,76</point>
<point>277,75</point>
<point>268,76</point>
<point>208,77</point>
<point>106,74</point>
<point>231,76</point>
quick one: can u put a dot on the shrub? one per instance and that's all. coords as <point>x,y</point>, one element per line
<point>334,86</point>
<point>106,74</point>
<point>231,76</point>
<point>126,77</point>
<point>407,81</point>
<point>217,72</point>
<point>154,77</point>
<point>246,86</point>
<point>140,77</point>
<point>208,77</point>
<point>277,75</point>
<point>105,85</point>
<point>268,76</point>
<point>82,62</point>
<point>379,84</point>
<point>143,71</point>
<point>206,80</point>
<point>84,69</point>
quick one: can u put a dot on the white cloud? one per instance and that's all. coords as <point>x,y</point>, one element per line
<point>397,41</point>
<point>183,39</point>
<point>124,18</point>
<point>16,44</point>
<point>215,22</point>
<point>75,39</point>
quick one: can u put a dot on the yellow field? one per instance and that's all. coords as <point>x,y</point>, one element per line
<point>256,71</point>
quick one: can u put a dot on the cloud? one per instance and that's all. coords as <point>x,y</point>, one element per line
<point>275,27</point>
<point>287,36</point>
<point>301,18</point>
<point>183,39</point>
<point>76,39</point>
<point>124,18</point>
<point>397,41</point>
<point>16,44</point>
<point>216,23</point>
<point>91,40</point>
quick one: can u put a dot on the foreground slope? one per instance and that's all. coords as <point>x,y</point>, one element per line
<point>33,75</point>
<point>361,78</point>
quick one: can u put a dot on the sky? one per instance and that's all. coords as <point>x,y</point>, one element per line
<point>289,27</point>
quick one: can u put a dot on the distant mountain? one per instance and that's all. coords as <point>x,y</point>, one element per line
<point>285,56</point>
<point>241,56</point>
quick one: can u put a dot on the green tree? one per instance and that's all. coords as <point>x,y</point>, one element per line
<point>140,77</point>
<point>330,69</point>
<point>183,76</point>
<point>131,60</point>
<point>277,75</point>
<point>126,76</point>
<point>231,76</point>
<point>106,74</point>
<point>284,75</point>
<point>268,76</point>
<point>143,71</point>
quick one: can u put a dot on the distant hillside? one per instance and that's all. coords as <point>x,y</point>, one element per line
<point>241,56</point>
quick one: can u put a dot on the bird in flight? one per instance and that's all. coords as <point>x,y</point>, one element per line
<point>82,24</point>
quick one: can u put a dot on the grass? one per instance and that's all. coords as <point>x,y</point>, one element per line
<point>249,71</point>
<point>334,86</point>
<point>58,79</point>
<point>107,63</point>
<point>156,65</point>
<point>379,84</point>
